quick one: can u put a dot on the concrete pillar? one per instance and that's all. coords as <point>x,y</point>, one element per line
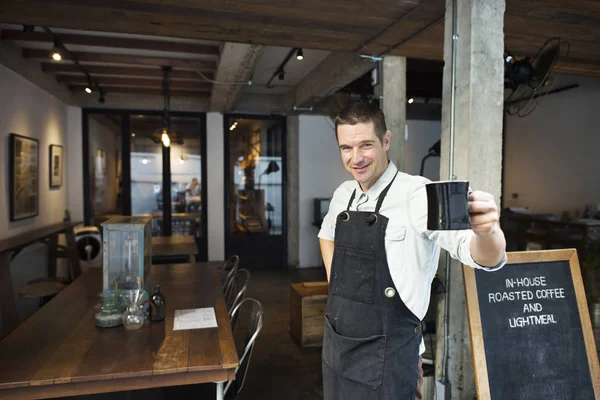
<point>477,152</point>
<point>393,78</point>
<point>292,193</point>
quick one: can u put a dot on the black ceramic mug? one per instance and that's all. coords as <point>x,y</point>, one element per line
<point>448,205</point>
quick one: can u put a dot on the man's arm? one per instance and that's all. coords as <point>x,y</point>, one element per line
<point>488,246</point>
<point>327,247</point>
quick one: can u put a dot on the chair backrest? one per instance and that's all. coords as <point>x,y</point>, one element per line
<point>229,270</point>
<point>237,289</point>
<point>254,310</point>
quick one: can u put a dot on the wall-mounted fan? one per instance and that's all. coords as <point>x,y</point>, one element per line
<point>527,81</point>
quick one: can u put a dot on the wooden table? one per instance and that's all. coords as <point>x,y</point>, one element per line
<point>10,247</point>
<point>175,246</point>
<point>59,352</point>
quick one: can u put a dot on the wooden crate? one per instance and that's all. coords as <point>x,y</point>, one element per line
<point>307,312</point>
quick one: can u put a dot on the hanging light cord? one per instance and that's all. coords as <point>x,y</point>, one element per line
<point>167,96</point>
<point>206,78</point>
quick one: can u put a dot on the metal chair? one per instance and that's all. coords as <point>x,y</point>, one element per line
<point>237,289</point>
<point>255,324</point>
<point>229,269</point>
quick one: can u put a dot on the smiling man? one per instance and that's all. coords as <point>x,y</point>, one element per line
<point>381,260</point>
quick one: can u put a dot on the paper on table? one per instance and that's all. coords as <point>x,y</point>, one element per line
<point>195,318</point>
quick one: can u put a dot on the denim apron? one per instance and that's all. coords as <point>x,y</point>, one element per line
<point>371,339</point>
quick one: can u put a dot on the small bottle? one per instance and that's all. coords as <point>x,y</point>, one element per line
<point>159,302</point>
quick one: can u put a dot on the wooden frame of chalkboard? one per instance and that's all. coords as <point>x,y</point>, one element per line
<point>530,328</point>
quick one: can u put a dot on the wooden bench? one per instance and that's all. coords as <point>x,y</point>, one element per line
<point>10,247</point>
<point>308,301</point>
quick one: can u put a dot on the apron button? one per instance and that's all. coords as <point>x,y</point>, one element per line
<point>389,292</point>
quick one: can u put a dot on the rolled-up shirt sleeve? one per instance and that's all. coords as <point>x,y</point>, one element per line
<point>327,231</point>
<point>456,243</point>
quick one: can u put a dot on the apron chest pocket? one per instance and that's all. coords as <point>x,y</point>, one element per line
<point>356,359</point>
<point>354,274</point>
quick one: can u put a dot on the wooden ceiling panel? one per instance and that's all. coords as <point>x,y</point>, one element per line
<point>418,20</point>
<point>175,21</point>
<point>412,28</point>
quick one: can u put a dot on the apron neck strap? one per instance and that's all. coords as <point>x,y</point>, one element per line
<point>383,194</point>
<point>351,200</point>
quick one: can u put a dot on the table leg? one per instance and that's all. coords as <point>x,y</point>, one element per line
<point>219,390</point>
<point>8,306</point>
<point>73,255</point>
<point>52,254</point>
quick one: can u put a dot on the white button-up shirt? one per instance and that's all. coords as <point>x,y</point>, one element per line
<point>412,250</point>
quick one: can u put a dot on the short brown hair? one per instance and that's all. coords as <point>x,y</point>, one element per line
<point>362,113</point>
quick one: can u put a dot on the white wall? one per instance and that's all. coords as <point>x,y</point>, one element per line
<point>215,147</point>
<point>552,156</point>
<point>29,111</point>
<point>321,172</point>
<point>421,136</point>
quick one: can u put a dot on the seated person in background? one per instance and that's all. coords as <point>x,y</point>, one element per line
<point>192,193</point>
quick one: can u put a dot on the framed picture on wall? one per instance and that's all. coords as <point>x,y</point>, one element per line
<point>56,165</point>
<point>23,177</point>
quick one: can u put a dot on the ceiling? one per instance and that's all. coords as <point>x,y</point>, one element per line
<point>124,43</point>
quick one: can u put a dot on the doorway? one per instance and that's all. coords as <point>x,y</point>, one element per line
<point>255,190</point>
<point>129,172</point>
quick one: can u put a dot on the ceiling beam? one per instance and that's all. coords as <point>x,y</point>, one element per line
<point>125,59</point>
<point>335,72</point>
<point>108,41</point>
<point>143,102</point>
<point>118,70</point>
<point>139,90</point>
<point>237,64</point>
<point>157,83</point>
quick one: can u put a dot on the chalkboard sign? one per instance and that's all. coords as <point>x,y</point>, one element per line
<point>530,329</point>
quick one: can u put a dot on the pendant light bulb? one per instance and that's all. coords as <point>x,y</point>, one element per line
<point>299,55</point>
<point>165,138</point>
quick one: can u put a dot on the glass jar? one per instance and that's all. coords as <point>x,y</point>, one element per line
<point>133,317</point>
<point>109,310</point>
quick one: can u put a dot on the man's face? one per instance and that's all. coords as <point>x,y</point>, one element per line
<point>363,154</point>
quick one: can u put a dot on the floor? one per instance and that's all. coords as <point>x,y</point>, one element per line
<point>279,368</point>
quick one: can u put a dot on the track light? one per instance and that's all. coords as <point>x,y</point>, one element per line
<point>56,53</point>
<point>411,100</point>
<point>281,75</point>
<point>101,98</point>
<point>299,55</point>
<point>88,88</point>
